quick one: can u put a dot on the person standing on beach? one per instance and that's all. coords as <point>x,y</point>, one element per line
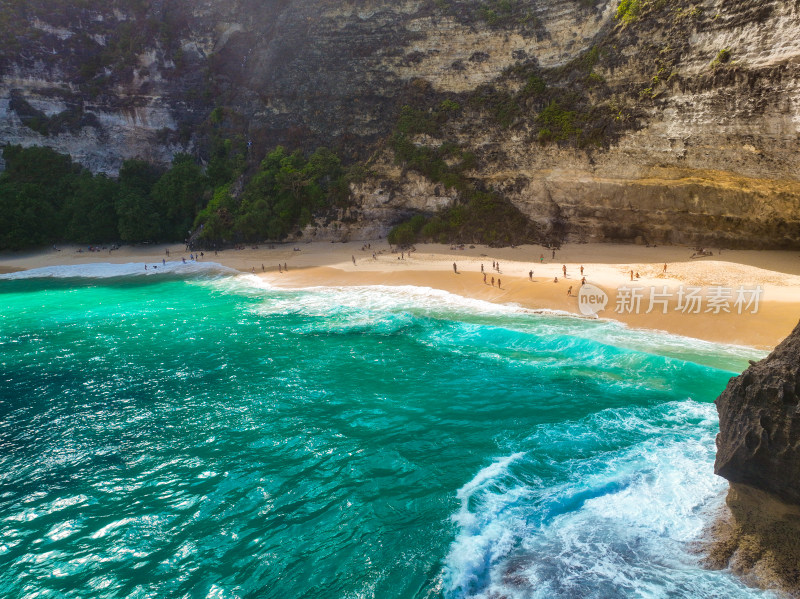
<point>569,291</point>
<point>554,254</point>
<point>530,275</point>
<point>279,268</point>
<point>484,278</point>
<point>665,267</point>
<point>285,268</point>
<point>631,275</point>
<point>541,258</point>
<point>492,281</point>
<point>581,269</point>
<point>564,269</point>
<point>498,283</point>
<point>354,260</point>
<point>455,268</point>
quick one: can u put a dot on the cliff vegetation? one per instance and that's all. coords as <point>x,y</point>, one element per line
<point>571,120</point>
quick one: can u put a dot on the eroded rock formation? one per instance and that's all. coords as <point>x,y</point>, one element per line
<point>758,451</point>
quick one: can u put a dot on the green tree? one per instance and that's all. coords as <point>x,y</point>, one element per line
<point>217,218</point>
<point>90,215</point>
<point>139,218</point>
<point>280,198</point>
<point>35,186</point>
<point>179,196</point>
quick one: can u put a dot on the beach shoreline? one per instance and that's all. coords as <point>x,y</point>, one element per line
<point>734,278</point>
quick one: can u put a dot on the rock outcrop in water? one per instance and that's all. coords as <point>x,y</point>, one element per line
<point>758,451</point>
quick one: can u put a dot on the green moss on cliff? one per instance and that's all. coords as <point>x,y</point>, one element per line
<point>500,14</point>
<point>628,10</point>
<point>478,217</point>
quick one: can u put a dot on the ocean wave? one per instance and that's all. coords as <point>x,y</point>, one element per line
<point>433,303</point>
<point>612,514</point>
<point>106,270</point>
<point>385,297</point>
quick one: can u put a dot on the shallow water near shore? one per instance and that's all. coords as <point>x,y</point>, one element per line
<point>199,434</point>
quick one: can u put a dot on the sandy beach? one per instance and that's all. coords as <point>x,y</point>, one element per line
<point>741,297</point>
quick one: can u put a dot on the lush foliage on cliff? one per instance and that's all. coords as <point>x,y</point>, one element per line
<point>46,198</point>
<point>478,216</point>
<point>281,198</point>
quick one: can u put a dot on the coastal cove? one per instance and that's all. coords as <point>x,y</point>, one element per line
<point>202,432</point>
<point>451,299</point>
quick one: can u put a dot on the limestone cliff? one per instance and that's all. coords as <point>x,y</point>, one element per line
<point>758,451</point>
<point>677,123</point>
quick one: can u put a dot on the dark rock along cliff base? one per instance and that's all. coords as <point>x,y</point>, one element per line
<point>758,451</point>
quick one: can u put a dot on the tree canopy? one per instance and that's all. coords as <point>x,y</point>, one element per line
<point>47,198</point>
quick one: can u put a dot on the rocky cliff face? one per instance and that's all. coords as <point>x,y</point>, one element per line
<point>679,124</point>
<point>759,417</point>
<point>758,451</point>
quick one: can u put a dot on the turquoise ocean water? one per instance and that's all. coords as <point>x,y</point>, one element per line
<point>194,433</point>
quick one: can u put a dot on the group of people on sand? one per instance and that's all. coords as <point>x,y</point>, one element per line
<point>564,271</point>
<point>499,285</point>
<point>193,257</point>
<point>496,266</point>
<point>93,248</point>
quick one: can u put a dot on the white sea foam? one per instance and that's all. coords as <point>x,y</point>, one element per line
<point>317,300</point>
<point>663,342</point>
<point>421,301</point>
<point>106,270</point>
<point>360,306</point>
<point>486,535</point>
<point>427,302</point>
<point>615,523</point>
